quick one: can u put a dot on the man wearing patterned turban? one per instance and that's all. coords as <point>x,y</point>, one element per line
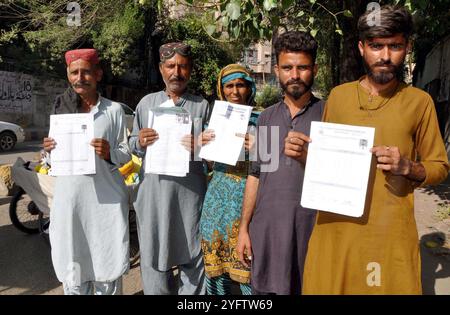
<point>168,208</point>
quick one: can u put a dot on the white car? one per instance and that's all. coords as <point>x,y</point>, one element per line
<point>10,134</point>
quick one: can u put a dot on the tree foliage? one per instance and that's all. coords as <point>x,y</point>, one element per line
<point>267,96</point>
<point>113,26</point>
<point>124,31</point>
<point>254,20</point>
<point>332,22</point>
<point>432,23</point>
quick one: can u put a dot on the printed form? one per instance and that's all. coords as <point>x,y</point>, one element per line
<point>167,156</point>
<point>337,168</point>
<point>73,153</point>
<point>227,119</point>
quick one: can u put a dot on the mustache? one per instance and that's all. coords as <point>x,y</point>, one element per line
<point>81,84</point>
<point>177,79</point>
<point>383,63</point>
<point>298,81</point>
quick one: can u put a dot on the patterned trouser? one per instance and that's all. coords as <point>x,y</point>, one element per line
<point>222,285</point>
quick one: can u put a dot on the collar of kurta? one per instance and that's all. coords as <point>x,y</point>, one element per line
<point>386,93</point>
<point>312,101</point>
<point>181,99</point>
<point>97,106</point>
<point>372,102</point>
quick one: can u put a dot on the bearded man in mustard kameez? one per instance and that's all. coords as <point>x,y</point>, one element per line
<point>378,253</point>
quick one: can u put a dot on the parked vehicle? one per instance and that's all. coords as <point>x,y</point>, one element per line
<point>10,134</point>
<point>29,209</point>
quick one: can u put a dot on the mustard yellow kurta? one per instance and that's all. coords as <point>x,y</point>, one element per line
<point>379,252</point>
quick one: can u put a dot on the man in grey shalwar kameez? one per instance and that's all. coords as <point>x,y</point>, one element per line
<point>89,215</point>
<point>168,208</point>
<point>275,229</point>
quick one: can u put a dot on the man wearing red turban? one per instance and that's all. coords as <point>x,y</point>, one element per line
<point>89,215</point>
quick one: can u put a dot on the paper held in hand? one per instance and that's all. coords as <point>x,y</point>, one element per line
<point>167,156</point>
<point>227,119</point>
<point>73,153</point>
<point>337,168</point>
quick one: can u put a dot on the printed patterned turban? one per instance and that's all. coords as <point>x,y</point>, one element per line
<point>168,50</point>
<point>89,55</point>
<point>232,72</point>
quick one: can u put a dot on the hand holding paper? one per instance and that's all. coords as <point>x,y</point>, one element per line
<point>294,145</point>
<point>206,137</point>
<point>102,148</point>
<point>147,136</point>
<point>390,159</point>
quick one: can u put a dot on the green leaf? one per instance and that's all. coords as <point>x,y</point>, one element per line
<point>348,13</point>
<point>225,21</point>
<point>255,23</point>
<point>339,31</point>
<point>234,10</point>
<point>408,4</point>
<point>311,19</point>
<point>285,4</point>
<point>269,4</point>
<point>313,32</point>
<point>312,1</point>
<point>210,29</point>
<point>236,31</point>
<point>300,13</point>
<point>422,4</point>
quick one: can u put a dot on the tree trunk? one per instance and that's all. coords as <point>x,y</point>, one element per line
<point>351,67</point>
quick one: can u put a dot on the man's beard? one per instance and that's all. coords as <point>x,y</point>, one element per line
<point>298,90</point>
<point>384,76</point>
<point>177,82</point>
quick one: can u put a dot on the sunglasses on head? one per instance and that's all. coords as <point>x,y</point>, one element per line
<point>169,52</point>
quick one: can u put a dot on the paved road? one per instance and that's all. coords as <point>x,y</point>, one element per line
<point>28,151</point>
<point>25,262</point>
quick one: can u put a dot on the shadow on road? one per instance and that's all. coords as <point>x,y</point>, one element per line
<point>442,191</point>
<point>435,260</point>
<point>25,263</point>
<point>5,200</point>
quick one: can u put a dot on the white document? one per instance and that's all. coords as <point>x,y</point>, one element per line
<point>73,154</point>
<point>167,156</point>
<point>168,103</point>
<point>337,168</point>
<point>227,119</point>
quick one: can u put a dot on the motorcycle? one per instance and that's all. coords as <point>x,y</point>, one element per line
<point>29,209</point>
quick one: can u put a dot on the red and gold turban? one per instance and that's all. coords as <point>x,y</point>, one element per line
<point>89,55</point>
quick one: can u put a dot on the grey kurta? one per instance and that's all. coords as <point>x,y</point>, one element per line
<point>280,228</point>
<point>168,208</point>
<point>89,214</point>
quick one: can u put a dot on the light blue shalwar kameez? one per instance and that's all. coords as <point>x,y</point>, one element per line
<point>168,211</point>
<point>89,215</point>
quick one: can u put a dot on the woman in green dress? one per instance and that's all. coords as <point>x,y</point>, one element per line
<point>223,201</point>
